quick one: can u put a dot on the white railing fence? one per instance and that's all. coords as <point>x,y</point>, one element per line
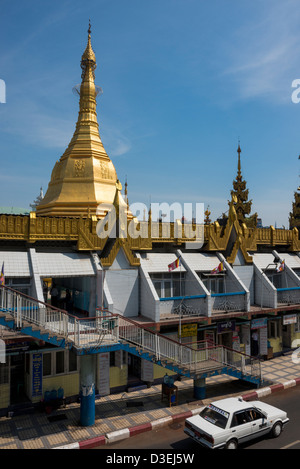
<point>108,328</point>
<point>82,332</point>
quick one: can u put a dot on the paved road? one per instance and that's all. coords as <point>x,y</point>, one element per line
<point>172,437</point>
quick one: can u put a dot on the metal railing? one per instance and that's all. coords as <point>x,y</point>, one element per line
<point>233,301</point>
<point>194,359</point>
<point>108,328</point>
<point>288,295</point>
<point>81,332</point>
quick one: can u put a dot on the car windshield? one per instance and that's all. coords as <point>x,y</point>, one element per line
<point>215,415</point>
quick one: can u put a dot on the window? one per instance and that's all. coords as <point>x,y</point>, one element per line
<point>215,415</point>
<point>47,360</point>
<point>72,361</point>
<point>168,285</point>
<point>214,284</point>
<point>112,359</point>
<point>3,373</point>
<point>276,279</point>
<point>60,362</point>
<point>273,329</point>
<point>239,418</point>
<point>55,363</point>
<point>254,414</point>
<point>21,284</point>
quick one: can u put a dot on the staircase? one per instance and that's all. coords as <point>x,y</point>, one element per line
<point>107,332</point>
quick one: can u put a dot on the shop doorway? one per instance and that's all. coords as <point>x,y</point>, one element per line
<point>17,378</point>
<point>225,339</point>
<point>134,369</point>
<point>286,336</point>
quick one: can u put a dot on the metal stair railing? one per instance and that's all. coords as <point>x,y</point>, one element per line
<point>186,356</point>
<point>80,332</point>
<point>108,328</point>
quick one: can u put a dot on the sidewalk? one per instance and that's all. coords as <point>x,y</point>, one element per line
<point>123,415</point>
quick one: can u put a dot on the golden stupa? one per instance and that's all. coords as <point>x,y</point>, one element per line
<point>84,178</point>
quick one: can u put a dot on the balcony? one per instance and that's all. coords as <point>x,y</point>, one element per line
<point>176,307</point>
<point>288,296</point>
<point>228,302</point>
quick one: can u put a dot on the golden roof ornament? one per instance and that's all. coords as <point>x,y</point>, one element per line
<point>207,220</point>
<point>88,57</point>
<point>239,196</point>
<point>84,177</point>
<point>294,218</point>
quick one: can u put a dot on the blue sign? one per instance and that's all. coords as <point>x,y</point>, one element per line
<point>37,374</point>
<point>259,323</point>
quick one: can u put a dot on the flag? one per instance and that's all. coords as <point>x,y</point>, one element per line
<point>218,269</point>
<point>281,267</point>
<point>174,264</point>
<point>2,280</point>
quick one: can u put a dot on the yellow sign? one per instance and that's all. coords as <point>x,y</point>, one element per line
<point>188,330</point>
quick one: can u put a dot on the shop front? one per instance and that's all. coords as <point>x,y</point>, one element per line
<point>225,333</point>
<point>259,337</point>
<point>289,327</point>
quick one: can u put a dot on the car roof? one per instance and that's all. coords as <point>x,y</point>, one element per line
<point>232,404</point>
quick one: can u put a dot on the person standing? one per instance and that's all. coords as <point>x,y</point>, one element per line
<point>54,295</point>
<point>255,348</point>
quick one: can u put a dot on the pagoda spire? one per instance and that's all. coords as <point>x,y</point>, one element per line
<point>240,194</point>
<point>294,218</point>
<point>84,176</point>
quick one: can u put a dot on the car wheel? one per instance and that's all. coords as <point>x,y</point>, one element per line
<point>277,429</point>
<point>231,444</point>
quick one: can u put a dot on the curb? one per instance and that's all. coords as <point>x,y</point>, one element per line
<point>119,435</point>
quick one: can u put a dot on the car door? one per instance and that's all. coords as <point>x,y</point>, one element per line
<point>241,426</point>
<point>259,423</point>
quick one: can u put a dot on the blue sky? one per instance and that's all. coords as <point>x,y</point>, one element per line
<point>182,80</point>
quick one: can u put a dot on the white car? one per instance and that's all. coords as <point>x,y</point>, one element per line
<point>228,422</point>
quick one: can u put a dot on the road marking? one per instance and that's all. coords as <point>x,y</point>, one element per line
<point>291,444</point>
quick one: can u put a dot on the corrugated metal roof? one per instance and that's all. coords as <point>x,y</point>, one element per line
<point>201,262</point>
<point>292,260</point>
<point>16,263</point>
<point>263,260</point>
<point>61,264</point>
<point>158,262</point>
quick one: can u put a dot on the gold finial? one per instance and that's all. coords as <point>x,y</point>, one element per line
<point>88,57</point>
<point>126,185</point>
<point>239,160</point>
<point>207,220</point>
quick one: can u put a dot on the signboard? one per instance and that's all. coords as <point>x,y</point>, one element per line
<point>263,340</point>
<point>227,326</point>
<point>189,330</point>
<point>258,323</point>
<point>290,319</point>
<point>104,388</point>
<point>37,374</point>
<point>236,344</point>
<point>147,371</point>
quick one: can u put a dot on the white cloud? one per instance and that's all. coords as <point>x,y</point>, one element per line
<point>261,53</point>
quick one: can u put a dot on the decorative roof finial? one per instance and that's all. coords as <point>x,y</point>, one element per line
<point>239,160</point>
<point>90,26</point>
